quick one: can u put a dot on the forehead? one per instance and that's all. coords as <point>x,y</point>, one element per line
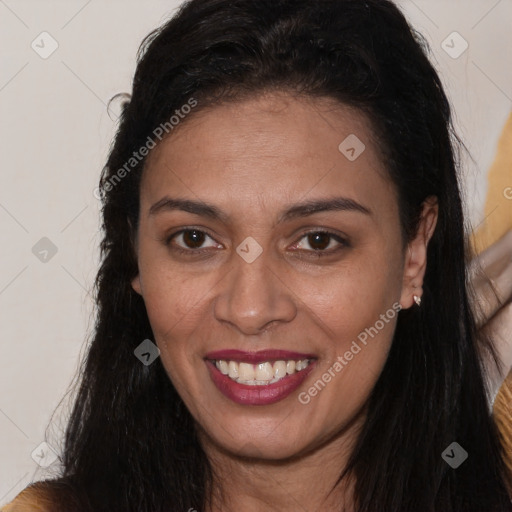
<point>267,146</point>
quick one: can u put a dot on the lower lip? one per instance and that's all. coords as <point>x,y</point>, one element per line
<point>265,394</point>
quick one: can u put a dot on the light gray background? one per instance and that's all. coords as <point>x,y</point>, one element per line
<point>55,133</point>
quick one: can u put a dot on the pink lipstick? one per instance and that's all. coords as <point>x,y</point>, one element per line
<point>258,394</point>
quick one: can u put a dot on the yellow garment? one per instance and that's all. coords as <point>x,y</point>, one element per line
<point>498,204</point>
<point>503,417</point>
<point>34,498</point>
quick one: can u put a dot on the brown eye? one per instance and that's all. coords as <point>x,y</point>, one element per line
<point>193,238</point>
<point>319,241</point>
<point>189,241</point>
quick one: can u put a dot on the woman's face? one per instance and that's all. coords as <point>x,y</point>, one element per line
<point>254,285</point>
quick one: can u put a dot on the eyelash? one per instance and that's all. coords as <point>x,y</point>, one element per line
<point>319,253</point>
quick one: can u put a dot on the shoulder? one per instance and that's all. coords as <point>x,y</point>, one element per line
<point>47,496</point>
<point>34,498</point>
<point>502,412</point>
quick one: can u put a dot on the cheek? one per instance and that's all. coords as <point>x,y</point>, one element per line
<point>357,309</point>
<point>170,295</point>
<point>359,327</point>
<point>353,296</point>
<point>358,336</point>
<point>173,309</point>
<point>169,306</point>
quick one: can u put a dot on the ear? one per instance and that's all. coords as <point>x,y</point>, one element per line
<point>136,284</point>
<point>416,253</point>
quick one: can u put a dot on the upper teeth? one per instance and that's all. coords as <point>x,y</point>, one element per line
<point>261,373</point>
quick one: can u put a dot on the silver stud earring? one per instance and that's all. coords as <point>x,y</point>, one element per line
<point>417,299</point>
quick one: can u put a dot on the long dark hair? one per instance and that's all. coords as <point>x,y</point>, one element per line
<point>130,443</point>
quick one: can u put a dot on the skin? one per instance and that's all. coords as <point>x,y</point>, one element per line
<point>254,159</point>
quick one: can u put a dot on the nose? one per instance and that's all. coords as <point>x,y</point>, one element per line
<point>255,295</point>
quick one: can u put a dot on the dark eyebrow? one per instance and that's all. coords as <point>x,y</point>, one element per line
<point>187,205</point>
<point>299,210</point>
<point>323,205</point>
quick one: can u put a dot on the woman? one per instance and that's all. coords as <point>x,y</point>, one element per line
<point>282,219</point>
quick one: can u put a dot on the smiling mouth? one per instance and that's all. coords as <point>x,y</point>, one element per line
<point>260,374</point>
